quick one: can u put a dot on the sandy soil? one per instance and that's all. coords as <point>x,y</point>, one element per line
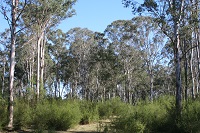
<point>97,127</point>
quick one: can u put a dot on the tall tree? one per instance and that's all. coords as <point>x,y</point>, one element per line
<point>169,15</point>
<point>150,41</point>
<point>12,60</point>
<point>81,41</point>
<point>44,16</point>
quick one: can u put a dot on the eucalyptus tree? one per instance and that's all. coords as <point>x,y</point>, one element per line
<point>15,12</point>
<point>190,36</point>
<point>121,34</point>
<point>80,42</point>
<point>43,16</point>
<point>97,58</point>
<point>58,50</point>
<point>169,15</point>
<point>150,40</point>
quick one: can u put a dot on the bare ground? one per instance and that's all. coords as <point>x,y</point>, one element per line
<point>97,127</point>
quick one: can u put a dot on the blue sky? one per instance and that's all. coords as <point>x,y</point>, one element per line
<point>92,14</point>
<point>96,14</point>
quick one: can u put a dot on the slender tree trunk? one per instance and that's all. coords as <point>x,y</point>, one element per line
<point>12,62</point>
<point>151,84</point>
<point>192,72</point>
<point>38,68</point>
<point>42,52</point>
<point>198,61</point>
<point>177,18</point>
<point>178,75</point>
<point>3,77</point>
<point>186,71</point>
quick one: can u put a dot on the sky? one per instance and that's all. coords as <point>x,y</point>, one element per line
<point>95,15</point>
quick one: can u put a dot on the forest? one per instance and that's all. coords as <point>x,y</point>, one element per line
<point>142,74</point>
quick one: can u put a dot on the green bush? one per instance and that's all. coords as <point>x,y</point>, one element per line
<point>113,107</point>
<point>3,113</point>
<point>150,117</point>
<point>56,115</point>
<point>128,124</point>
<point>89,112</point>
<point>22,114</point>
<point>190,119</point>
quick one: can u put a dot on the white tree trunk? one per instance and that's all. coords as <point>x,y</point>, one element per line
<point>12,62</point>
<point>192,72</point>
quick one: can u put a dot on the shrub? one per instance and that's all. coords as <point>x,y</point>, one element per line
<point>128,124</point>
<point>3,113</point>
<point>190,119</point>
<point>112,107</point>
<point>22,114</point>
<point>57,115</point>
<point>149,117</point>
<point>89,112</point>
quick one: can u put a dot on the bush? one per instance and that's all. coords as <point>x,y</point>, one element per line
<point>22,114</point>
<point>3,113</point>
<point>89,112</point>
<point>190,119</point>
<point>150,117</point>
<point>56,115</point>
<point>128,124</point>
<point>113,107</point>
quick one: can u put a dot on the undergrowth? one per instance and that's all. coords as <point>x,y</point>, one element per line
<point>57,114</point>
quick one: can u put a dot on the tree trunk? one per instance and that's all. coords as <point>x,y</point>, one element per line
<point>192,72</point>
<point>178,76</point>
<point>42,52</point>
<point>12,62</point>
<point>151,84</point>
<point>186,72</point>
<point>3,77</point>
<point>177,18</point>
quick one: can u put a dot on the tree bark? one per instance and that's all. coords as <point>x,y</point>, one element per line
<point>178,75</point>
<point>3,77</point>
<point>39,39</point>
<point>192,72</point>
<point>42,52</point>
<point>12,62</point>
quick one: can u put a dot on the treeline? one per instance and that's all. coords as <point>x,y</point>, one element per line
<point>124,61</point>
<point>136,60</point>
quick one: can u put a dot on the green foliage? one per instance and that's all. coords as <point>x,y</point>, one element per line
<point>56,115</point>
<point>190,119</point>
<point>149,117</point>
<point>89,112</point>
<point>22,114</point>
<point>160,116</point>
<point>3,112</point>
<point>112,107</point>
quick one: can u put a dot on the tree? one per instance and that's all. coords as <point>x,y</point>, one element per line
<point>12,60</point>
<point>80,41</point>
<point>149,41</point>
<point>169,15</point>
<point>44,16</point>
<point>123,38</point>
<point>58,50</point>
